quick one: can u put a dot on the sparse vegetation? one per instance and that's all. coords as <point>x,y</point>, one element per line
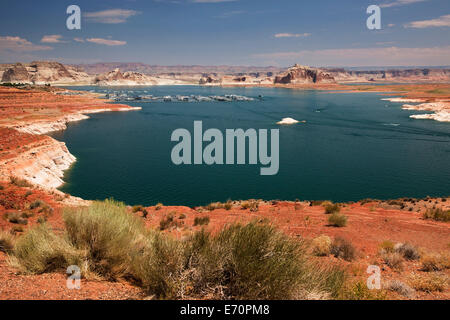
<point>321,246</point>
<point>408,251</point>
<point>342,248</point>
<point>401,288</point>
<point>429,282</point>
<point>253,205</point>
<point>6,242</point>
<point>437,215</point>
<point>159,206</point>
<point>435,262</point>
<point>169,222</point>
<point>20,182</point>
<point>331,207</point>
<point>360,291</point>
<point>393,259</point>
<point>252,261</point>
<point>201,221</point>
<point>16,218</point>
<point>337,220</point>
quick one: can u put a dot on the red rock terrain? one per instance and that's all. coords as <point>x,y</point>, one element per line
<point>369,222</point>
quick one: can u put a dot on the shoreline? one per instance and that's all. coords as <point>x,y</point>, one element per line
<point>56,158</point>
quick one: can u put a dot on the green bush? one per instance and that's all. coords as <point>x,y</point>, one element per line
<point>39,250</point>
<point>337,220</point>
<point>107,233</point>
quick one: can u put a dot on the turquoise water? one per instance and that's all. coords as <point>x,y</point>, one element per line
<point>353,146</point>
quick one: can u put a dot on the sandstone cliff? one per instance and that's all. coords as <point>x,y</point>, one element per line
<point>304,75</point>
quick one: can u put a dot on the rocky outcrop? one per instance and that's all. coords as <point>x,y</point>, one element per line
<point>304,75</point>
<point>16,74</point>
<point>44,72</point>
<point>116,77</point>
<point>395,75</point>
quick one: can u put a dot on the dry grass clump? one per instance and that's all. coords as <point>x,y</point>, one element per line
<point>201,221</point>
<point>407,250</point>
<point>39,250</point>
<point>393,259</point>
<point>159,206</point>
<point>16,218</point>
<point>435,261</point>
<point>337,220</point>
<point>331,207</point>
<point>401,288</point>
<point>387,246</point>
<point>6,242</point>
<point>256,261</point>
<point>169,221</point>
<point>20,182</point>
<point>437,215</point>
<point>359,291</point>
<point>321,246</point>
<point>342,248</point>
<point>106,232</point>
<point>253,205</point>
<point>251,261</point>
<point>429,282</point>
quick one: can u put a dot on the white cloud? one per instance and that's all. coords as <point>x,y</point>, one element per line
<point>112,16</point>
<point>400,3</point>
<point>19,44</point>
<point>389,56</point>
<point>55,38</point>
<point>107,42</point>
<point>443,21</point>
<point>291,35</point>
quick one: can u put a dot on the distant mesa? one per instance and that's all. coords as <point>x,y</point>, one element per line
<point>299,74</point>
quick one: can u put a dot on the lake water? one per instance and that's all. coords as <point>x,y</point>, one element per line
<point>352,146</point>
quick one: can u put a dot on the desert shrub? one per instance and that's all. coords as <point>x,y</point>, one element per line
<point>228,205</point>
<point>408,251</point>
<point>316,202</point>
<point>169,221</point>
<point>37,203</point>
<point>159,266</point>
<point>331,207</point>
<point>393,259</point>
<point>435,262</point>
<point>200,221</point>
<point>255,261</point>
<point>342,248</point>
<point>144,213</point>
<point>337,220</point>
<point>253,205</point>
<point>16,217</point>
<point>321,246</point>
<point>159,206</point>
<point>387,246</point>
<point>137,208</point>
<point>20,182</point>
<point>359,291</point>
<point>39,250</point>
<point>107,233</point>
<point>213,206</point>
<point>437,215</point>
<point>182,216</point>
<point>429,282</point>
<point>6,242</point>
<point>401,288</point>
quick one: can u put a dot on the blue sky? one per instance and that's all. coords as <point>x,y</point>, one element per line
<point>228,32</point>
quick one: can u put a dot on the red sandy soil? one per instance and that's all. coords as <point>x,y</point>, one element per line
<point>42,103</point>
